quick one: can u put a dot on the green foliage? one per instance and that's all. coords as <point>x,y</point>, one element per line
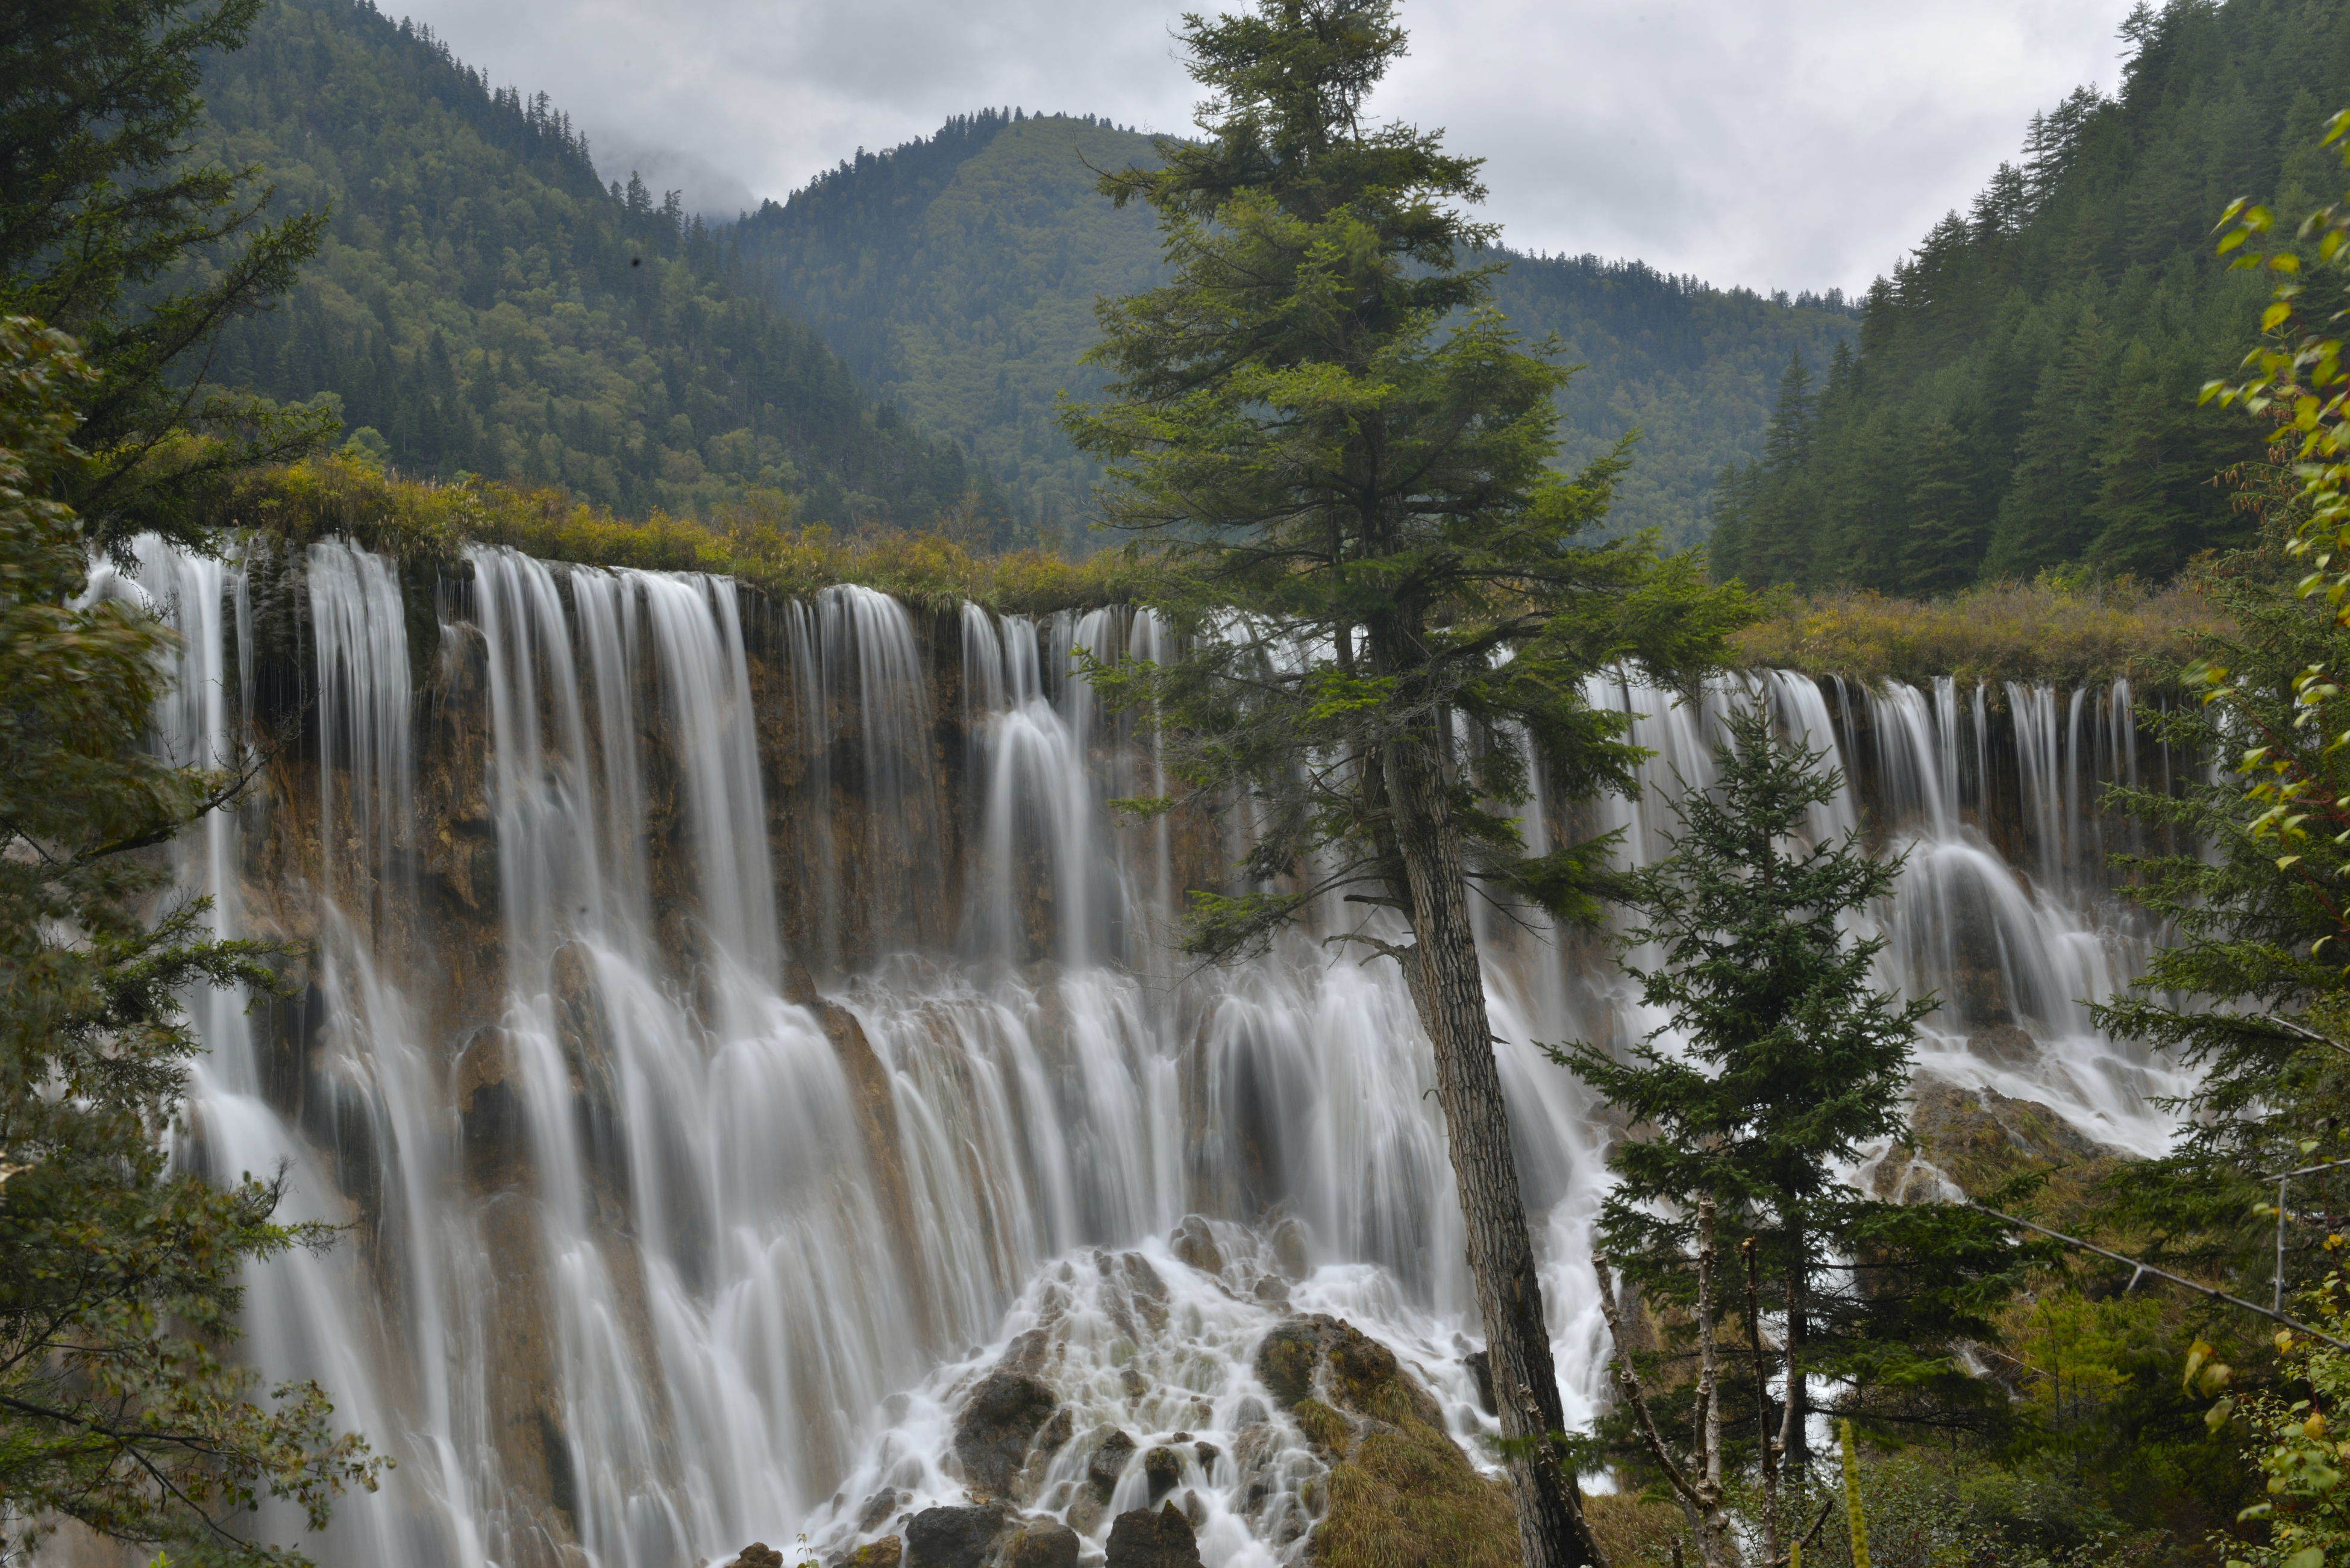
<point>1789,1062</point>
<point>112,231</point>
<point>2251,991</point>
<point>2024,389</point>
<point>2297,1443</point>
<point>120,1277</point>
<point>487,306</point>
<point>2046,630</point>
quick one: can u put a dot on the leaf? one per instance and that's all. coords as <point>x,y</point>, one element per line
<point>2307,1557</point>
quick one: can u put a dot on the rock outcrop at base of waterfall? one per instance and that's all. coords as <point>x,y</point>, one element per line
<point>958,1537</point>
<point>1002,1417</point>
<point>1980,1138</point>
<point>1043,1545</point>
<point>1401,1492</point>
<point>1141,1538</point>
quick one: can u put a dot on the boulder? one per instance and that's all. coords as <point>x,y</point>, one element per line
<point>758,1555</point>
<point>1141,1538</point>
<point>998,1422</point>
<point>1480,1371</point>
<point>1161,1467</point>
<point>1400,1493</point>
<point>1108,1461</point>
<point>2005,1045</point>
<point>886,1553</point>
<point>1045,1544</point>
<point>1195,1244</point>
<point>957,1537</point>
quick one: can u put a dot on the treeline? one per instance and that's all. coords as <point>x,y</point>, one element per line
<point>485,303</point>
<point>2023,391</point>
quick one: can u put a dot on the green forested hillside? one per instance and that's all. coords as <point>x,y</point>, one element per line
<point>2023,392</point>
<point>957,274</point>
<point>485,303</point>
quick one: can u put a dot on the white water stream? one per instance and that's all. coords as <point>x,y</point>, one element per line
<point>630,1282</point>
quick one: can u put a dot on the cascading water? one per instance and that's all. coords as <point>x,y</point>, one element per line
<point>733,1029</point>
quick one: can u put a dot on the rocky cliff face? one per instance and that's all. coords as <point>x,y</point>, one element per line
<point>738,1031</point>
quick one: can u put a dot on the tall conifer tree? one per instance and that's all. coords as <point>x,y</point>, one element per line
<point>1779,1062</point>
<point>1343,450</point>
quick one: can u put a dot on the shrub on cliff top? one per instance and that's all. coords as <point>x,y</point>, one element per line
<point>2043,630</point>
<point>757,541</point>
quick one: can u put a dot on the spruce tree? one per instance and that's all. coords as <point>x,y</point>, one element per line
<point>1341,450</point>
<point>1779,1062</point>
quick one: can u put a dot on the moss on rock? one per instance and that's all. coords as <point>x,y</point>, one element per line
<point>1401,1492</point>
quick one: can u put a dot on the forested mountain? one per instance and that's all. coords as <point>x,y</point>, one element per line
<point>957,275</point>
<point>2023,391</point>
<point>486,304</point>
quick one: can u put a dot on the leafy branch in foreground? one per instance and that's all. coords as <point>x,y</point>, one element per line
<point>120,1276</point>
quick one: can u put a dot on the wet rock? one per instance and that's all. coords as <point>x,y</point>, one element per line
<point>1290,1249</point>
<point>1001,1417</point>
<point>1399,1492</point>
<point>1980,1138</point>
<point>1043,1545</point>
<point>1480,1371</point>
<point>887,1552</point>
<point>1141,1538</point>
<point>488,1084</point>
<point>1050,1439</point>
<point>2005,1045</point>
<point>758,1555</point>
<point>1195,1245</point>
<point>1108,1461</point>
<point>957,1537</point>
<point>885,1157</point>
<point>1133,1383</point>
<point>1162,1468</point>
<point>1208,1455</point>
<point>877,1509</point>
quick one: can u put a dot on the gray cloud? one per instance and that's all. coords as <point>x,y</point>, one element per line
<point>1776,144</point>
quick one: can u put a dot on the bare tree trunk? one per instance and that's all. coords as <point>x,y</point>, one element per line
<point>1795,1420</point>
<point>1717,1545</point>
<point>1767,1440</point>
<point>1450,990</point>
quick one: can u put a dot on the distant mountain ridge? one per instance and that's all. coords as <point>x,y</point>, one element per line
<point>886,346</point>
<point>957,274</point>
<point>486,303</point>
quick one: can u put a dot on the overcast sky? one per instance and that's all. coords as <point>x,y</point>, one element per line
<point>1776,144</point>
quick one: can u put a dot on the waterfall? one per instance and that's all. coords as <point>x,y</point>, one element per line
<point>730,1029</point>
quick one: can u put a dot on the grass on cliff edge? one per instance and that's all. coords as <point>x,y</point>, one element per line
<point>757,542</point>
<point>2050,629</point>
<point>2045,630</point>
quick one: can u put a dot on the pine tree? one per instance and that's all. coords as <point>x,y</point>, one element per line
<point>1332,434</point>
<point>1779,1062</point>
